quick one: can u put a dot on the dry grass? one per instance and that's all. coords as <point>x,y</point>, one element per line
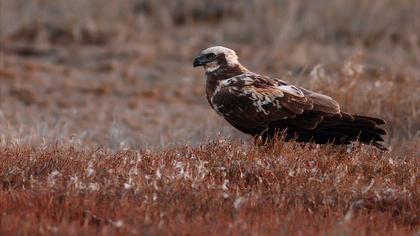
<point>104,128</point>
<point>220,187</point>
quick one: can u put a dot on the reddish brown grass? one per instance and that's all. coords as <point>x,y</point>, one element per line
<point>104,128</point>
<point>220,187</point>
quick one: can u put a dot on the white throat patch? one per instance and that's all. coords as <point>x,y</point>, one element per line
<point>211,67</point>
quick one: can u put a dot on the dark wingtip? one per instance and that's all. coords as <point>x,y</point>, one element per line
<point>380,146</point>
<point>380,131</point>
<point>378,121</point>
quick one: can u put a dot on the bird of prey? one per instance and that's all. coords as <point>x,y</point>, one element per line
<point>264,107</point>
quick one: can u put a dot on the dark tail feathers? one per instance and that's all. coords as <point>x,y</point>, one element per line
<point>345,128</point>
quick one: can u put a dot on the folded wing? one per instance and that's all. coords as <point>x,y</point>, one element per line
<point>259,105</point>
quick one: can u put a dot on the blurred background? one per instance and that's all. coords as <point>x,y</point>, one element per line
<point>119,73</point>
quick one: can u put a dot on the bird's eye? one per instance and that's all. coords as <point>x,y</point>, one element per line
<point>211,56</point>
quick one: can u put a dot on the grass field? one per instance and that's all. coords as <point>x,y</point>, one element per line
<point>104,127</point>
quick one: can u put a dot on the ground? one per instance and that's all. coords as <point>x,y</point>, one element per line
<point>104,127</point>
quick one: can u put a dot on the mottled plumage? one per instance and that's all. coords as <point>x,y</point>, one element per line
<point>262,106</point>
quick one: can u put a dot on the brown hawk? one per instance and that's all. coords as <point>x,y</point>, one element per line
<point>263,107</point>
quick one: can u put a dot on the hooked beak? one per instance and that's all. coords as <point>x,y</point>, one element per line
<point>200,61</point>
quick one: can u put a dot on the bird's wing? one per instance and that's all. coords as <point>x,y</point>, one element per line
<point>258,99</point>
<point>321,102</point>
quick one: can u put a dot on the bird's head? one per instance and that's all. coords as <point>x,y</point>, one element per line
<point>215,58</point>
